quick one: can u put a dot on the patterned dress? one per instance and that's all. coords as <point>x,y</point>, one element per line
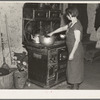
<point>75,68</point>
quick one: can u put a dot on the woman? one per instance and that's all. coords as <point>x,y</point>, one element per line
<point>75,68</point>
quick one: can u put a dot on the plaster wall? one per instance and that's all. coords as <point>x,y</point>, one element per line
<point>91,9</point>
<point>13,21</point>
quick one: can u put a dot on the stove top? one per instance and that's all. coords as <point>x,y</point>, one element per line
<point>39,45</point>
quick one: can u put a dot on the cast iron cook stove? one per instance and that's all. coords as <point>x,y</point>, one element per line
<point>46,65</point>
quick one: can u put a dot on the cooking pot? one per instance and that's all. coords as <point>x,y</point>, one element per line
<point>62,36</point>
<point>46,40</point>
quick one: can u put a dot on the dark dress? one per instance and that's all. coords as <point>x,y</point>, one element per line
<point>75,68</point>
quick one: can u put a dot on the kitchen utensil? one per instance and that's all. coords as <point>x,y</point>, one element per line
<point>46,40</point>
<point>4,65</point>
<point>8,37</point>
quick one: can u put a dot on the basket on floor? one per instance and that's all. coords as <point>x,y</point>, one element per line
<point>6,79</point>
<point>20,79</point>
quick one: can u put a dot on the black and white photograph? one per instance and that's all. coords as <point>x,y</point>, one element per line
<point>49,45</point>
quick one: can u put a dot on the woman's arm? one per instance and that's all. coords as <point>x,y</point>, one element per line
<point>64,28</point>
<point>77,34</point>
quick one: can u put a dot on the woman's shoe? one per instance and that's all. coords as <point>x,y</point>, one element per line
<point>75,86</point>
<point>69,87</point>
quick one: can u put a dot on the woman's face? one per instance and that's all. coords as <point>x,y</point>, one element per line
<point>69,16</point>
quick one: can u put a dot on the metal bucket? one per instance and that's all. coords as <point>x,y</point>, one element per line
<point>20,79</point>
<point>6,79</point>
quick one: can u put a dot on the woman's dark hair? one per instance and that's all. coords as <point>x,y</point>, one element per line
<point>73,11</point>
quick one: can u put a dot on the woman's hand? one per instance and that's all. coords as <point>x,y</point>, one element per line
<point>71,57</point>
<point>50,34</point>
